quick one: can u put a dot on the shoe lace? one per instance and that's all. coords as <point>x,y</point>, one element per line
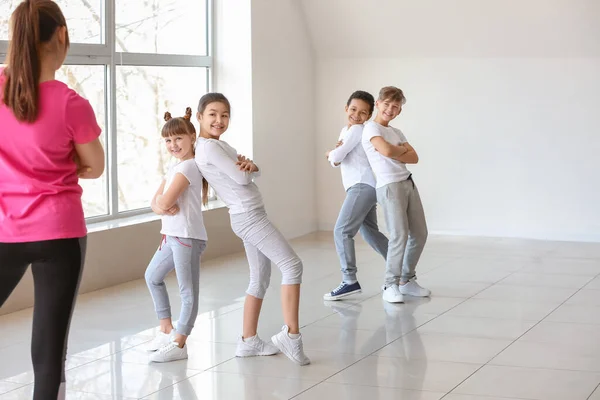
<point>259,343</point>
<point>299,348</point>
<point>340,287</point>
<point>167,348</point>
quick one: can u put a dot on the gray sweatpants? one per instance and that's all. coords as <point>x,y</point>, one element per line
<point>358,213</point>
<point>264,243</point>
<point>407,228</point>
<point>182,255</point>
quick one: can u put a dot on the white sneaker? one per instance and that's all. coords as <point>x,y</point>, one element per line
<point>292,348</point>
<point>160,340</point>
<point>412,288</point>
<point>254,346</point>
<point>169,352</point>
<point>392,294</point>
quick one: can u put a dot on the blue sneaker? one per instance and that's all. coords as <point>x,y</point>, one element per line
<point>342,291</point>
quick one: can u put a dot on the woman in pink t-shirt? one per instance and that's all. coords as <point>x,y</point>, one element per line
<point>44,127</point>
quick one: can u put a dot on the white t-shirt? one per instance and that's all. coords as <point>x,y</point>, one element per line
<point>354,163</point>
<point>386,170</point>
<point>188,222</point>
<point>216,160</point>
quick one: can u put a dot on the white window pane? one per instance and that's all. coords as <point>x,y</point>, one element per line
<point>161,26</point>
<point>6,9</point>
<point>84,19</point>
<point>143,96</point>
<point>89,82</point>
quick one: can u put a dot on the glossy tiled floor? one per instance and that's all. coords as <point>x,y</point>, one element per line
<point>508,319</point>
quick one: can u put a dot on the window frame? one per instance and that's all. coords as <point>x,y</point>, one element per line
<point>105,54</point>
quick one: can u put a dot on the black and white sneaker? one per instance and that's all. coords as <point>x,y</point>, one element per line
<point>342,291</point>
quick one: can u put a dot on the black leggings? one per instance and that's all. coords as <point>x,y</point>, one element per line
<point>56,267</point>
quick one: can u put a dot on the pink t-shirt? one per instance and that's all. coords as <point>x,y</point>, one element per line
<point>40,196</point>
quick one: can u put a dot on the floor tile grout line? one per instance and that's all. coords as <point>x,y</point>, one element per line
<point>593,391</point>
<point>378,294</point>
<point>15,389</point>
<point>516,339</point>
<point>370,386</point>
<point>212,369</point>
<point>105,358</point>
<point>458,304</point>
<point>200,372</point>
<point>472,297</point>
<point>69,390</point>
<point>404,334</point>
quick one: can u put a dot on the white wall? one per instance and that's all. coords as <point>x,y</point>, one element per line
<point>507,130</point>
<point>232,72</point>
<point>508,147</point>
<point>457,28</point>
<point>264,64</point>
<point>283,114</point>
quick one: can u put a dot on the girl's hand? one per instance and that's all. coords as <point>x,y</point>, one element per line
<point>157,210</point>
<point>248,166</point>
<point>339,143</point>
<point>173,210</point>
<point>242,161</point>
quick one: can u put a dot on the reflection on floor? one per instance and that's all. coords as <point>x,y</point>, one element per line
<point>508,319</point>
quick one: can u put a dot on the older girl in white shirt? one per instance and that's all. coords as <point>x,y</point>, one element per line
<point>232,175</point>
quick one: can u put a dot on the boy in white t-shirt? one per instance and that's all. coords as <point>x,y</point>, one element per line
<point>359,211</point>
<point>388,152</point>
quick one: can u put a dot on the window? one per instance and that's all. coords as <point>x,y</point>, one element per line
<point>143,96</point>
<point>167,27</point>
<point>90,82</point>
<point>84,18</point>
<point>133,60</point>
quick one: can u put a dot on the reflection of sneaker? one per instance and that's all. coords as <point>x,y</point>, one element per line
<point>170,352</point>
<point>391,294</point>
<point>343,290</point>
<point>412,288</point>
<point>254,346</point>
<point>160,340</point>
<point>395,311</point>
<point>344,309</point>
<point>292,348</point>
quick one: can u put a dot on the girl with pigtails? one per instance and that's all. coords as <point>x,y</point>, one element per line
<point>179,201</point>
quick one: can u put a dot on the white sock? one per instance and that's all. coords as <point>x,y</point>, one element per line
<point>294,335</point>
<point>350,282</point>
<point>249,339</point>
